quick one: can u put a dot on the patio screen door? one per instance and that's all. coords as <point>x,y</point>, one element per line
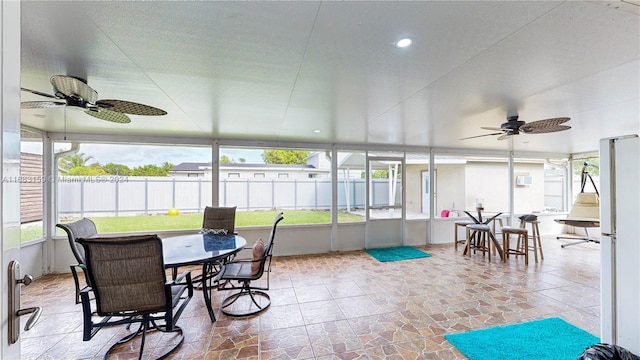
<point>10,155</point>
<point>385,201</point>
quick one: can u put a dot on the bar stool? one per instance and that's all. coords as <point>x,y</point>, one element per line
<point>482,234</point>
<point>493,225</point>
<point>521,248</point>
<point>460,223</point>
<point>535,237</point>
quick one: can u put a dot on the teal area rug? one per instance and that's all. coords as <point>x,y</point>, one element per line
<point>396,253</point>
<point>549,339</point>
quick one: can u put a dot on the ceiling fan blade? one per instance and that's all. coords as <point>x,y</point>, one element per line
<point>129,107</point>
<point>38,93</point>
<point>548,129</point>
<point>70,87</point>
<point>477,136</point>
<point>531,127</point>
<point>493,128</point>
<point>40,104</point>
<point>109,115</point>
<point>505,136</point>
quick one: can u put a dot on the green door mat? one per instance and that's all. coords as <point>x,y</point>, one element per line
<point>396,253</point>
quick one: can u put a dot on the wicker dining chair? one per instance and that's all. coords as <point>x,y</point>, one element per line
<point>127,277</point>
<point>83,228</point>
<point>243,274</point>
<point>221,218</point>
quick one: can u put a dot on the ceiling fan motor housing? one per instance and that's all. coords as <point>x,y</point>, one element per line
<point>75,100</point>
<point>512,124</point>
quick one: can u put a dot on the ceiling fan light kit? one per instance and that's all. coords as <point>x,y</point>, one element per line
<point>513,126</point>
<point>72,91</point>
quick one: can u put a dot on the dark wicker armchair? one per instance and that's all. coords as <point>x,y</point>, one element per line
<point>239,275</point>
<point>127,277</point>
<point>223,218</point>
<point>216,219</point>
<point>83,228</point>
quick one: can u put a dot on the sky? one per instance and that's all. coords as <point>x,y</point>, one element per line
<point>138,155</point>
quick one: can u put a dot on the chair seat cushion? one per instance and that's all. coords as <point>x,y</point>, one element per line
<point>463,222</point>
<point>528,217</point>
<point>514,230</point>
<point>237,270</point>
<point>481,227</point>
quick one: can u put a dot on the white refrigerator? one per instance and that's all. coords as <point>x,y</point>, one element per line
<point>620,242</point>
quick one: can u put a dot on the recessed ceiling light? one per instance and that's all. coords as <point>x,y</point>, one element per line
<point>404,43</point>
<point>316,131</point>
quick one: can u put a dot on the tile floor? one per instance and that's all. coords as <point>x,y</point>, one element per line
<point>349,306</point>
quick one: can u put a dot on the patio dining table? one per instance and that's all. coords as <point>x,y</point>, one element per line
<point>208,250</point>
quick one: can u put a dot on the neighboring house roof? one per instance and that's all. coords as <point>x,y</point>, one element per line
<point>187,166</point>
<point>266,166</point>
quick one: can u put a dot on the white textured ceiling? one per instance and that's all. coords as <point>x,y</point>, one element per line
<point>276,71</point>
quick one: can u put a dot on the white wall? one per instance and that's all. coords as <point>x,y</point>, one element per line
<point>417,232</point>
<point>350,236</point>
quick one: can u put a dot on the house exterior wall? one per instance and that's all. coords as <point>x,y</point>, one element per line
<point>256,172</point>
<point>30,187</point>
<point>529,198</point>
<point>488,181</point>
<point>269,173</point>
<point>319,160</point>
<point>414,186</point>
<point>450,188</point>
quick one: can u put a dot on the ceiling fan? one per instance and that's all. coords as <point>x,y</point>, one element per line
<point>72,91</point>
<point>513,126</point>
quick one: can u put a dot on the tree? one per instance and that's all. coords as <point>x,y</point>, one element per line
<point>242,160</point>
<point>68,162</point>
<point>378,174</point>
<point>149,170</point>
<point>593,166</point>
<point>117,169</point>
<point>224,159</point>
<point>93,170</point>
<point>297,157</point>
<point>166,166</point>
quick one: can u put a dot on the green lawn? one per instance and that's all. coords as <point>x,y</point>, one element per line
<point>28,233</point>
<point>194,221</point>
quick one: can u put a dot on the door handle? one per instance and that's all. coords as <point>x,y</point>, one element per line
<point>33,318</point>
<point>14,303</point>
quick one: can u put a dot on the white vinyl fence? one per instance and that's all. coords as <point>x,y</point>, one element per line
<point>113,195</point>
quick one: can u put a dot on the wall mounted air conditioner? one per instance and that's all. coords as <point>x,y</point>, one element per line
<point>523,180</point>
